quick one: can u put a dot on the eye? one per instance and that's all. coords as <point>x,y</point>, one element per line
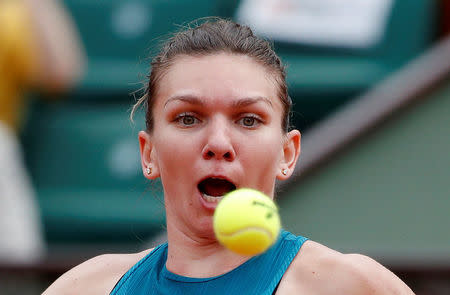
<point>249,121</point>
<point>186,119</point>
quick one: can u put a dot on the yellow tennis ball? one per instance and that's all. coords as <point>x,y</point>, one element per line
<point>246,221</point>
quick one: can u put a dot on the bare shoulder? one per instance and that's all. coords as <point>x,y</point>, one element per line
<point>318,269</point>
<point>95,276</point>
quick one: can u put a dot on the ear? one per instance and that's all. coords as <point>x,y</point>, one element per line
<point>291,152</point>
<point>148,155</point>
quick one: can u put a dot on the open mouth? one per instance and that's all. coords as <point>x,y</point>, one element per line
<point>213,189</point>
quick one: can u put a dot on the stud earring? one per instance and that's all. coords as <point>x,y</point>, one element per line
<point>148,170</point>
<point>284,171</point>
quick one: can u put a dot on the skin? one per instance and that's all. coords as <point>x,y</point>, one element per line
<point>202,129</point>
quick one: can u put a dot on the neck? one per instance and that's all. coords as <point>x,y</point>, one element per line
<point>193,256</point>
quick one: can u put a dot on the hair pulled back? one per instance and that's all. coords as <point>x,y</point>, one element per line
<point>211,37</point>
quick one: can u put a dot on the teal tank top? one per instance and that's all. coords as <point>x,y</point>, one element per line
<point>259,275</point>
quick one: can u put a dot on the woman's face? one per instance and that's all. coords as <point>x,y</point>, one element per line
<point>217,127</point>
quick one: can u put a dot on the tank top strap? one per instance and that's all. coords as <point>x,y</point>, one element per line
<point>151,260</point>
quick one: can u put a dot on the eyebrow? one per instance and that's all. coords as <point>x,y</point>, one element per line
<point>243,102</point>
<point>251,100</point>
<point>191,99</point>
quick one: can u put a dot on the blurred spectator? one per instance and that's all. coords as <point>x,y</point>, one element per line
<point>39,50</point>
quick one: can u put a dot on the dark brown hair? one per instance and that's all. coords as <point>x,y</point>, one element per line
<point>210,37</point>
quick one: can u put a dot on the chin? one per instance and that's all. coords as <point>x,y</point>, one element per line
<point>205,228</point>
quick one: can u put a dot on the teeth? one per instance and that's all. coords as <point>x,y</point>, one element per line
<point>211,199</point>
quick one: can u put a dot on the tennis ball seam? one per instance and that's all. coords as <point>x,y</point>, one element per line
<point>241,230</point>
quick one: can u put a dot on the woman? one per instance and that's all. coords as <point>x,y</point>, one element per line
<point>217,120</point>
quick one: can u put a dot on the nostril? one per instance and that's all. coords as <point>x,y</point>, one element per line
<point>224,154</point>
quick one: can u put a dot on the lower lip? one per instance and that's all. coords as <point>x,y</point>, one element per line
<point>210,206</point>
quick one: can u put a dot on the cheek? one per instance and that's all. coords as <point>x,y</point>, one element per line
<point>175,158</point>
<point>174,155</point>
<point>263,156</point>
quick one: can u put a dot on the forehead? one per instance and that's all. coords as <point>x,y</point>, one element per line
<point>220,77</point>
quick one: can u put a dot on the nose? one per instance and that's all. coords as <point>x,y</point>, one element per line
<point>218,144</point>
